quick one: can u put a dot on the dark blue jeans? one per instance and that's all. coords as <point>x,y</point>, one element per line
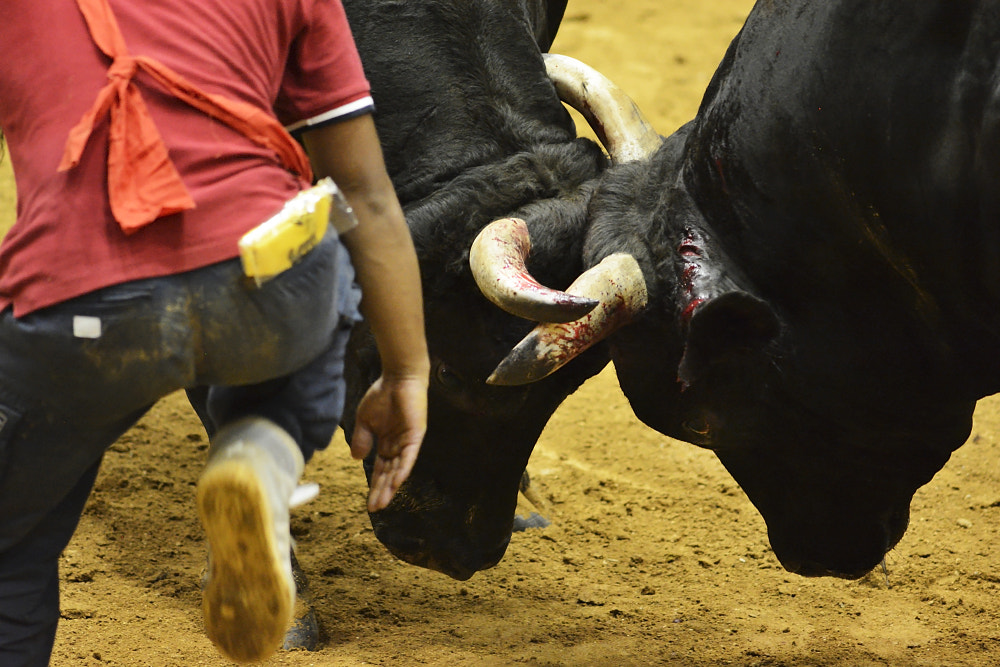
<point>76,376</point>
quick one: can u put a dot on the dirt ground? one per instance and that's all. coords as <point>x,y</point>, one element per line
<point>655,556</point>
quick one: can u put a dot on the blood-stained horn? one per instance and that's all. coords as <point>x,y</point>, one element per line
<point>614,117</point>
<point>497,259</point>
<point>619,287</point>
<point>605,296</point>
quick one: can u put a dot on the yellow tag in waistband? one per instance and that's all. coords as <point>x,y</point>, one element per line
<point>278,243</point>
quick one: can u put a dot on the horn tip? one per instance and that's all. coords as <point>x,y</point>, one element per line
<point>525,364</point>
<point>504,378</point>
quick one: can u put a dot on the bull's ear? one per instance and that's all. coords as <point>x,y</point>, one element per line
<point>725,328</point>
<point>554,10</point>
<point>544,17</point>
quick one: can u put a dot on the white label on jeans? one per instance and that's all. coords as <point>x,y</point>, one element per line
<point>85,326</point>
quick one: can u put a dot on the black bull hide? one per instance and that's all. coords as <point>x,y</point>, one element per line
<point>472,130</point>
<point>822,251</point>
<point>821,256</point>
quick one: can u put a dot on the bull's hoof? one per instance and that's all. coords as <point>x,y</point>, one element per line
<point>534,520</point>
<point>303,634</point>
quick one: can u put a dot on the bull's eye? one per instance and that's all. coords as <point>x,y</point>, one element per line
<point>447,377</point>
<point>698,427</point>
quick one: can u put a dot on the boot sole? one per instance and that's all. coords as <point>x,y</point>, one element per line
<point>247,600</point>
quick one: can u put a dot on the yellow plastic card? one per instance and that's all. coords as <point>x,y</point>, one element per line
<point>278,243</point>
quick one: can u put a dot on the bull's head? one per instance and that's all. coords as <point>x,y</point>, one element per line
<point>799,412</point>
<point>829,432</point>
<point>455,512</point>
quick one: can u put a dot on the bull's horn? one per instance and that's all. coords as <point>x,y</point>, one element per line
<point>497,260</point>
<point>615,118</point>
<point>618,284</point>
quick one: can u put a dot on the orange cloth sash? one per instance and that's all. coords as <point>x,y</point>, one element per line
<point>143,183</point>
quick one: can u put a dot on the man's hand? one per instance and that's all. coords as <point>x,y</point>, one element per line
<point>392,413</point>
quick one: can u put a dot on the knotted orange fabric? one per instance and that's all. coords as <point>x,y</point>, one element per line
<point>143,183</point>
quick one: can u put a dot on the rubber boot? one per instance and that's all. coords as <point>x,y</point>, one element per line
<point>243,500</point>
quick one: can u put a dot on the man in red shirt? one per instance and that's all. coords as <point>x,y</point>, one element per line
<point>146,140</point>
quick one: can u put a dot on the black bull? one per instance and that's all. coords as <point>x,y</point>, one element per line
<point>472,130</point>
<point>821,268</point>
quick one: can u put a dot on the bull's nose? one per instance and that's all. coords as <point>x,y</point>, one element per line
<point>807,568</point>
<point>805,559</point>
<point>457,558</point>
<point>848,550</point>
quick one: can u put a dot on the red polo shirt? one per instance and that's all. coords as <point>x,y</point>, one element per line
<point>296,57</point>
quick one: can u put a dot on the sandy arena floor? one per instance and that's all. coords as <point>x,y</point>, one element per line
<point>655,556</point>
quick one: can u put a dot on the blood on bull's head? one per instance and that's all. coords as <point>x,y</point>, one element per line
<point>704,361</point>
<point>816,423</point>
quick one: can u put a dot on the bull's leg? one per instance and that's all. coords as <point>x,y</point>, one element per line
<point>304,631</point>
<point>533,520</point>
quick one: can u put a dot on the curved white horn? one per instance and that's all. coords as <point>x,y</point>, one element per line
<point>617,282</point>
<point>617,121</point>
<point>497,259</point>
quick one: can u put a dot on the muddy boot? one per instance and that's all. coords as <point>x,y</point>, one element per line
<point>243,498</point>
<point>304,633</point>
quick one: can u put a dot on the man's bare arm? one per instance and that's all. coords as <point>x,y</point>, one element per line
<point>394,411</point>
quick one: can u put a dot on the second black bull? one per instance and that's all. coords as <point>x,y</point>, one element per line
<point>820,247</point>
<point>473,130</point>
